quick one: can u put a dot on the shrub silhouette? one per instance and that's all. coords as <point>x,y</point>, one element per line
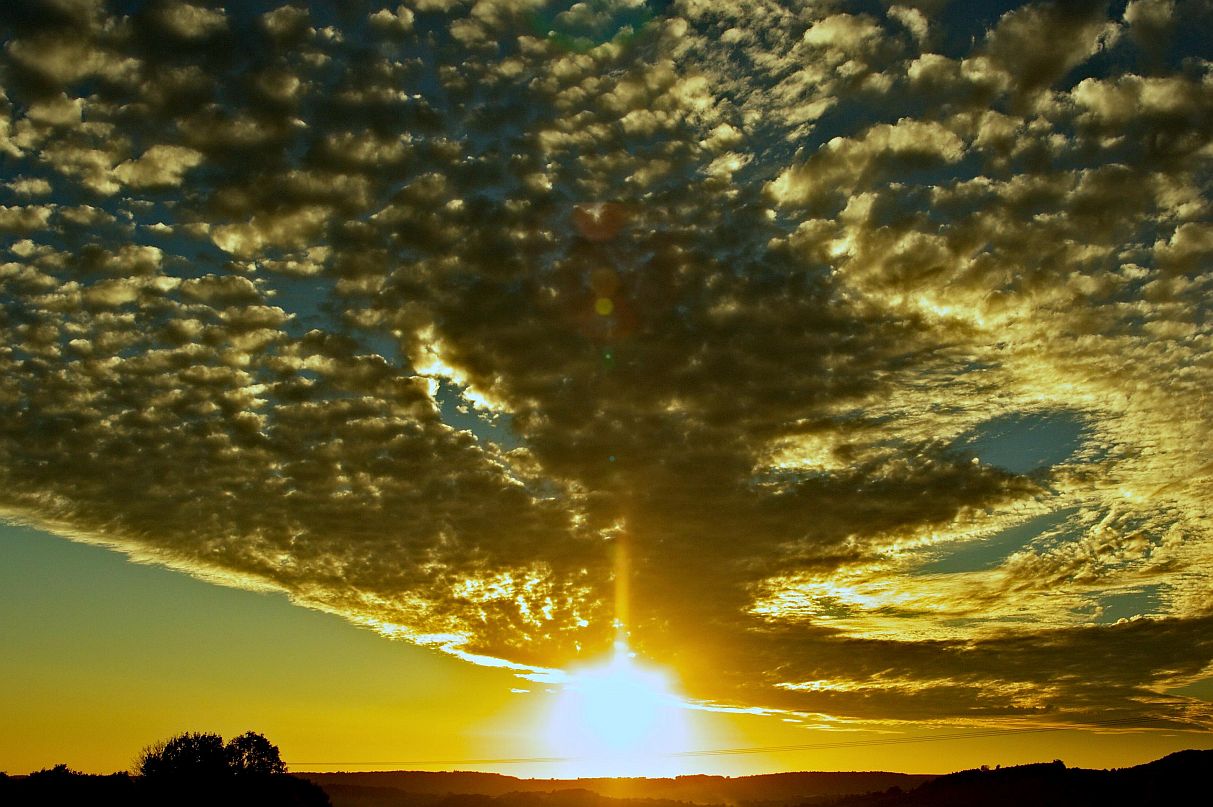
<point>199,770</point>
<point>251,754</point>
<point>192,755</point>
<point>195,755</point>
<point>60,772</point>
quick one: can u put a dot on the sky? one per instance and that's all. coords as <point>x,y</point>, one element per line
<point>368,369</point>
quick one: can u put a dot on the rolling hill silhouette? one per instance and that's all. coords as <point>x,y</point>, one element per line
<point>1176,780</point>
<point>777,788</point>
<point>1179,779</point>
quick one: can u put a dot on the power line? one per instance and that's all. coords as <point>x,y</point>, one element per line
<point>964,735</point>
<point>771,749</point>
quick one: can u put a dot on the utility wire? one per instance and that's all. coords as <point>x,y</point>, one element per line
<point>769,749</point>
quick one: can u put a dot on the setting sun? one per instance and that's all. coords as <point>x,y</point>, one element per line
<point>618,718</point>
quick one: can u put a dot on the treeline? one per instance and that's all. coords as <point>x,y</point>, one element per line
<point>192,769</point>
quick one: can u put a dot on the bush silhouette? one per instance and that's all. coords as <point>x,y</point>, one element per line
<point>60,772</point>
<point>251,754</point>
<point>200,770</point>
<point>196,755</point>
<point>191,755</point>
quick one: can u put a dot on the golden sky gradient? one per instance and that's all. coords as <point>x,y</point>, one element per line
<point>845,360</point>
<point>108,656</point>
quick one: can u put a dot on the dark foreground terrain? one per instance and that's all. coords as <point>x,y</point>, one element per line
<point>1184,778</point>
<point>1178,780</point>
<point>426,789</point>
<point>62,786</point>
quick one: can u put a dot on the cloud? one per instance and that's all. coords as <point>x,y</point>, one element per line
<point>158,166</point>
<point>399,19</point>
<point>30,187</point>
<point>1039,43</point>
<point>845,165</point>
<point>188,21</point>
<point>422,328</point>
<point>24,218</point>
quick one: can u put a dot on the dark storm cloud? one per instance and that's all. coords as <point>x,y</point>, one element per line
<point>415,311</point>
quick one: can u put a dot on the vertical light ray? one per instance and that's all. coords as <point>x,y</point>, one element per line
<point>623,572</point>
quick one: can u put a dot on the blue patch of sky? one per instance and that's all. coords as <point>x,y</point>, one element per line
<point>608,22</point>
<point>1109,608</point>
<point>1108,61</point>
<point>502,131</point>
<point>1189,44</point>
<point>186,256</point>
<point>64,194</point>
<point>1024,442</point>
<point>458,413</point>
<point>845,118</point>
<point>382,344</point>
<point>310,299</point>
<point>987,553</point>
<point>1202,689</point>
<point>967,24</point>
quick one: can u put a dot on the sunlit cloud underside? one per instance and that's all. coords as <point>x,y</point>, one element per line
<point>878,333</point>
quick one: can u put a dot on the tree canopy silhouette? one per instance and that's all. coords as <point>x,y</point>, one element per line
<point>252,754</point>
<point>196,755</point>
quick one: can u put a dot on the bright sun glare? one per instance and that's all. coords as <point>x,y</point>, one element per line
<point>619,718</point>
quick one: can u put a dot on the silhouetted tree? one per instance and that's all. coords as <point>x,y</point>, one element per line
<point>253,754</point>
<point>199,770</point>
<point>191,755</point>
<point>188,770</point>
<point>62,785</point>
<point>59,772</point>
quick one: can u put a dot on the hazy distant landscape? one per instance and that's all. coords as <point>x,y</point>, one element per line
<point>1166,781</point>
<point>450,789</point>
<point>1177,779</point>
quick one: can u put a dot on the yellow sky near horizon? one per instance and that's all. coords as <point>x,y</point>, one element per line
<point>163,653</point>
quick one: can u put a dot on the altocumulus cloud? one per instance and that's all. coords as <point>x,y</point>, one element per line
<point>879,332</point>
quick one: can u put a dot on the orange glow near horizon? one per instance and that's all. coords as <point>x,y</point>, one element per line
<point>163,653</point>
<point>620,717</point>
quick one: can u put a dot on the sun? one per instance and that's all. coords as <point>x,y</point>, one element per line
<point>619,718</point>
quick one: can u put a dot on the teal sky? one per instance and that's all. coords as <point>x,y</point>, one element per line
<point>103,656</point>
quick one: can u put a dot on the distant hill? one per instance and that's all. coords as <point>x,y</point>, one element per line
<point>1178,780</point>
<point>428,789</point>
